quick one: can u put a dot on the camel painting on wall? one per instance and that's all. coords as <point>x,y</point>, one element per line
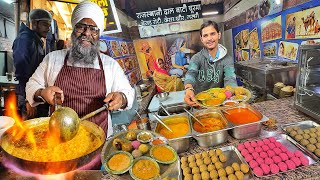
<point>303,24</point>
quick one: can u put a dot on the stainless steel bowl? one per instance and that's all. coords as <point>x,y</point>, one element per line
<point>180,144</point>
<point>210,138</point>
<point>162,96</point>
<point>249,130</point>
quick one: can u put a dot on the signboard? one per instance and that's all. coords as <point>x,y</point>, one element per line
<point>180,12</point>
<point>111,23</point>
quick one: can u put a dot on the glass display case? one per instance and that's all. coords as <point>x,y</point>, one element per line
<point>307,96</point>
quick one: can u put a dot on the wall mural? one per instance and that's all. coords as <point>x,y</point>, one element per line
<point>123,52</point>
<point>271,29</point>
<point>303,24</point>
<point>279,35</point>
<point>173,49</point>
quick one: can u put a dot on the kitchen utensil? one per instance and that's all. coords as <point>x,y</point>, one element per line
<point>164,109</point>
<point>160,121</point>
<point>64,121</point>
<point>194,117</point>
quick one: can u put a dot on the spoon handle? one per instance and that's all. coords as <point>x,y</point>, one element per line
<point>193,117</point>
<point>93,113</point>
<point>160,121</point>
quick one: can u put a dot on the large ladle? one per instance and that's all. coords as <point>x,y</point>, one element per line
<point>64,122</point>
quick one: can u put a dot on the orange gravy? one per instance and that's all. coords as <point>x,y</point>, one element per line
<point>241,116</point>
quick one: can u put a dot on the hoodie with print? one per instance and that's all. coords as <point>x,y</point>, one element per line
<point>205,72</point>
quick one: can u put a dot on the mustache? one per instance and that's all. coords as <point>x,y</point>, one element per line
<point>85,38</point>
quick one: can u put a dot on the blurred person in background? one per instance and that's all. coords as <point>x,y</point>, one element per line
<point>28,53</point>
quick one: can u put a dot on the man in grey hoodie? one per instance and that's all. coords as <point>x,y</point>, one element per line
<point>211,67</point>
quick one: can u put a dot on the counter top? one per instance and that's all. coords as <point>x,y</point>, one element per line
<point>281,109</point>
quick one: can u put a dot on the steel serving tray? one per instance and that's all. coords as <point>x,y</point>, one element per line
<point>292,146</point>
<point>249,130</point>
<point>180,144</point>
<point>210,138</point>
<point>233,155</point>
<point>171,170</point>
<point>303,125</point>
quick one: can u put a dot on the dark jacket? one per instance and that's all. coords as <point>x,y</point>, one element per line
<point>28,53</point>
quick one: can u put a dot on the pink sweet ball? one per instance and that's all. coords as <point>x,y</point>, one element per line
<point>276,159</point>
<point>304,160</point>
<point>253,164</point>
<point>258,149</point>
<point>283,166</point>
<point>247,144</point>
<point>265,168</point>
<point>266,141</point>
<point>228,94</point>
<point>271,145</point>
<point>251,149</point>
<point>284,149</point>
<point>263,154</point>
<point>272,139</point>
<point>244,152</point>
<point>290,154</point>
<point>268,161</point>
<point>296,161</point>
<point>254,144</point>
<point>277,144</point>
<point>265,148</point>
<point>260,160</point>
<point>258,171</point>
<point>274,168</point>
<point>283,156</point>
<point>248,157</point>
<point>277,151</point>
<point>291,165</point>
<point>298,153</point>
<point>260,143</point>
<point>270,153</point>
<point>135,144</point>
<point>240,147</point>
<point>255,155</point>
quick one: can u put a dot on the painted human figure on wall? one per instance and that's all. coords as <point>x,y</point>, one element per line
<point>150,59</point>
<point>176,53</point>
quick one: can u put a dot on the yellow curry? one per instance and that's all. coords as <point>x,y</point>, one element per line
<point>210,124</point>
<point>145,169</point>
<point>178,130</point>
<point>163,153</point>
<point>119,162</point>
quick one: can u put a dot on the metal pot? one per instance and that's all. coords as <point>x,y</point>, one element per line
<point>51,167</point>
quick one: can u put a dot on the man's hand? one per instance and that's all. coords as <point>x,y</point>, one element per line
<point>31,111</point>
<point>48,94</point>
<point>114,100</point>
<point>189,98</point>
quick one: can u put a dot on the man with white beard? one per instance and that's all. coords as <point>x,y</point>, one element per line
<point>86,78</point>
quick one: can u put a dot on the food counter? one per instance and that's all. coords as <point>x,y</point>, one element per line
<point>281,110</point>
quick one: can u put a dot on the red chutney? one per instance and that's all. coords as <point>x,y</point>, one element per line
<point>241,116</point>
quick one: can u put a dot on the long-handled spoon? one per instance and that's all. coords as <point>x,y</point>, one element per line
<point>160,121</point>
<point>194,117</point>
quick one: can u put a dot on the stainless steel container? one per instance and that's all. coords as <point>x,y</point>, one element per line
<point>210,138</point>
<point>180,144</point>
<point>173,109</point>
<point>244,131</point>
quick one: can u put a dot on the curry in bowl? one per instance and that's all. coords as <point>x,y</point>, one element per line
<point>178,124</point>
<point>210,124</point>
<point>119,162</point>
<point>241,115</point>
<point>163,154</point>
<point>144,168</point>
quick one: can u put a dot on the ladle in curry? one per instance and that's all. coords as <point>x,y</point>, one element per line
<point>193,117</point>
<point>160,121</point>
<point>64,122</point>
